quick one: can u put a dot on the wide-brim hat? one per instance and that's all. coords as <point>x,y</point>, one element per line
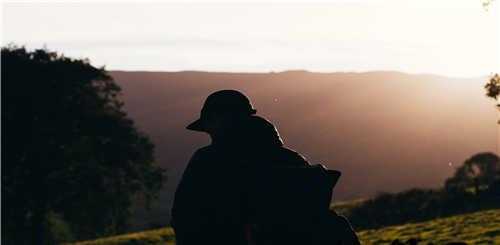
<point>222,102</point>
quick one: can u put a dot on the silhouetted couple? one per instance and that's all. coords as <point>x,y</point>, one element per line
<point>247,188</point>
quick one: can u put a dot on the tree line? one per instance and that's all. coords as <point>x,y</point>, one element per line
<point>474,186</point>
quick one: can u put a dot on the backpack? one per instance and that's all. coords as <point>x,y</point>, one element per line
<point>291,205</point>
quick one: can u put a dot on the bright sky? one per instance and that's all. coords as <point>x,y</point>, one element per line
<point>449,37</point>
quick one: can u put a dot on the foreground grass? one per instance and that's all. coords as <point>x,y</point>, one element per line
<point>475,228</point>
<point>164,236</point>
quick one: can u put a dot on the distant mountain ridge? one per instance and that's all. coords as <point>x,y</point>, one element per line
<point>386,131</point>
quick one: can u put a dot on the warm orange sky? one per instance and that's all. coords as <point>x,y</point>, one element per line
<point>450,37</point>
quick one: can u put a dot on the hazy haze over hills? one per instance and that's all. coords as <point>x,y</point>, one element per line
<point>386,131</point>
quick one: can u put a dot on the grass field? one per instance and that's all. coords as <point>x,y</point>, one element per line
<point>475,228</point>
<point>163,236</point>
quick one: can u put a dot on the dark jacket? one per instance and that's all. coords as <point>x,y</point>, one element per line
<point>209,201</point>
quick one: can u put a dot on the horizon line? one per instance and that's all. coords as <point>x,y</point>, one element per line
<point>306,71</point>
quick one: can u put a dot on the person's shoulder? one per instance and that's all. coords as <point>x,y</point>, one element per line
<point>293,156</point>
<point>200,157</point>
<point>204,151</point>
<point>292,152</point>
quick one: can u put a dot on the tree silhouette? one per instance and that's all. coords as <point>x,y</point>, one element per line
<point>478,173</point>
<point>493,87</point>
<point>486,3</point>
<point>68,149</point>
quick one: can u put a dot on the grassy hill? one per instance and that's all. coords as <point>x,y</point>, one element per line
<point>475,228</point>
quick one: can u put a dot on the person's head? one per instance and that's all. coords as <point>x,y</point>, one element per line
<point>221,110</point>
<point>259,133</point>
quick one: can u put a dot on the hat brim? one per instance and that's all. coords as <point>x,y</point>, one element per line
<point>196,126</point>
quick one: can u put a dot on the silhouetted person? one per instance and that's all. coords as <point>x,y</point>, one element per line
<point>208,200</point>
<point>214,198</point>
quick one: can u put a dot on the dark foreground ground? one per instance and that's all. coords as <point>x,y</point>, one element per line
<point>481,227</point>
